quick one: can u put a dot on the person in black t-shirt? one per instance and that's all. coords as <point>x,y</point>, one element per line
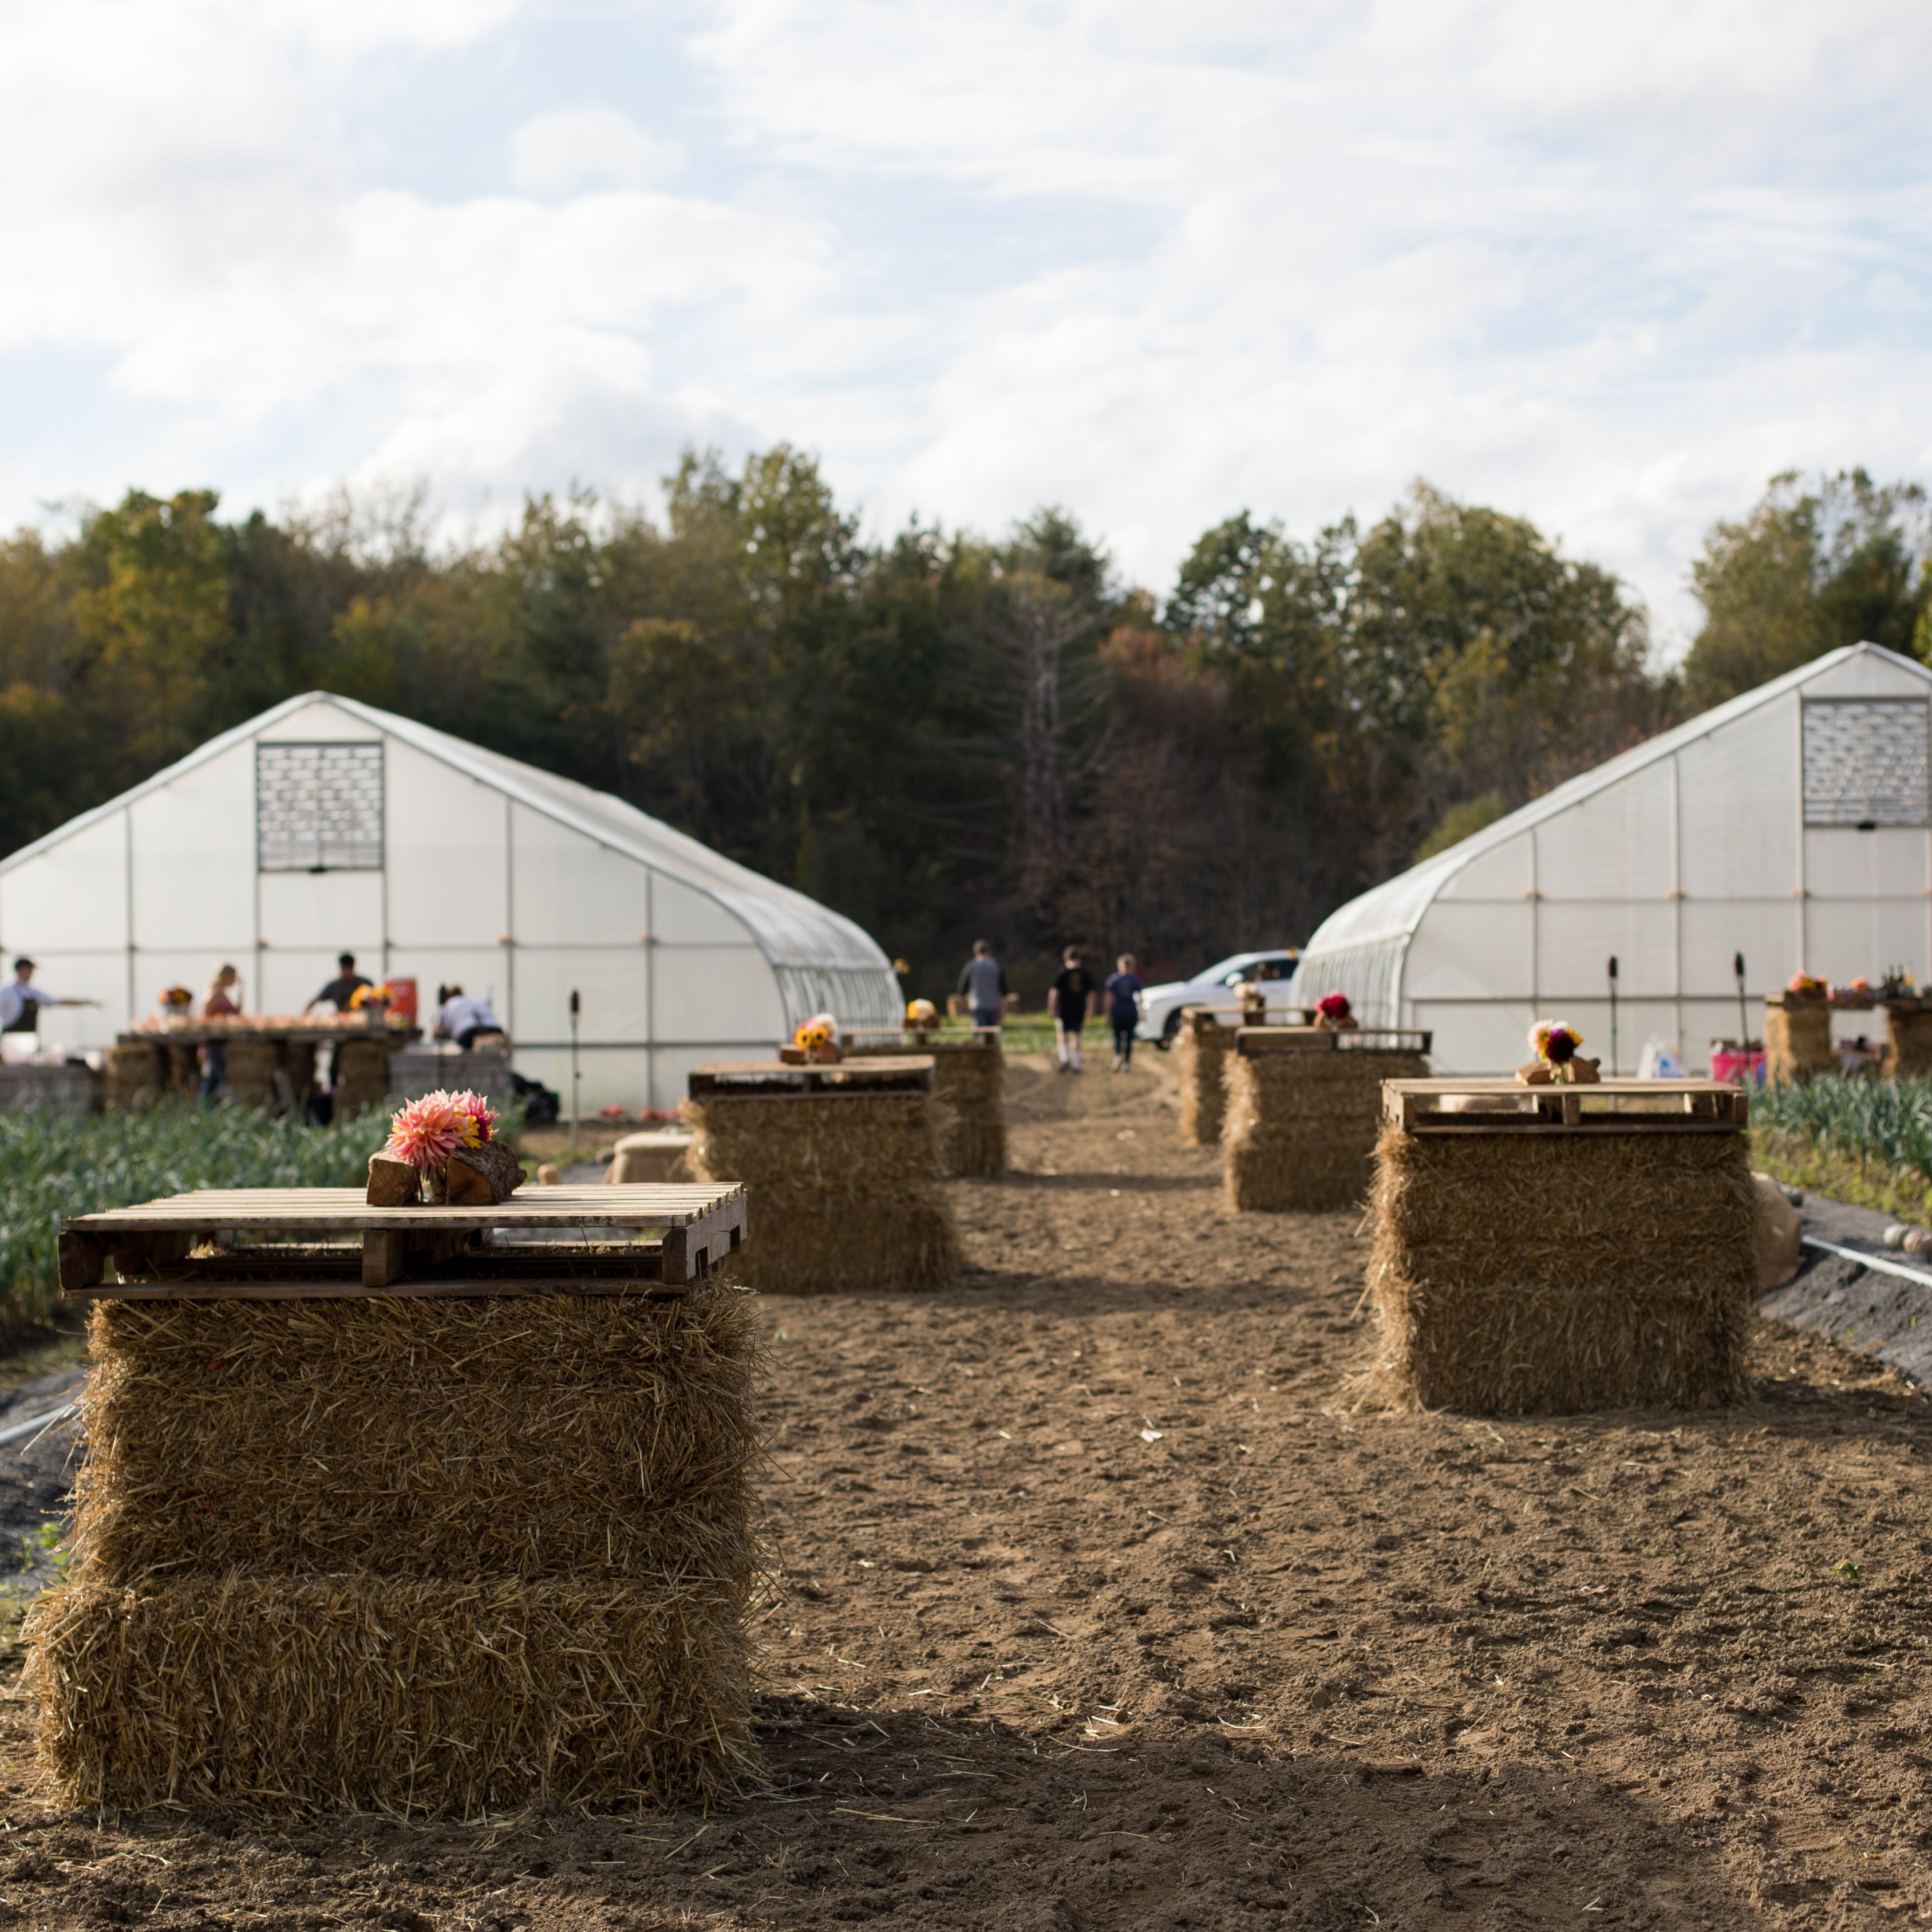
<point>1070,1001</point>
<point>342,988</point>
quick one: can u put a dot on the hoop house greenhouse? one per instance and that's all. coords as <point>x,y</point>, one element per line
<point>1792,825</point>
<point>325,825</point>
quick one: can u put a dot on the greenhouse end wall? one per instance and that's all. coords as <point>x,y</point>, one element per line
<point>1791,826</point>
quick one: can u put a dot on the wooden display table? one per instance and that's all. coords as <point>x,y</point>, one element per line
<point>268,1065</point>
<point>846,1161</point>
<point>422,1510</point>
<point>272,1243</point>
<point>1564,1249</point>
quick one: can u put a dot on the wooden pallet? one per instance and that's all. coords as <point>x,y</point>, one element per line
<point>1611,1106</point>
<point>1252,1042</point>
<point>723,1079</point>
<point>276,1243</point>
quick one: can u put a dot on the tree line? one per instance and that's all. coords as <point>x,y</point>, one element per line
<point>945,736</point>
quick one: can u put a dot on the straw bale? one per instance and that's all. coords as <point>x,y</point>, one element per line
<point>1909,1031</point>
<point>1301,1128</point>
<point>601,1437</point>
<point>399,1694</point>
<point>252,1064</point>
<point>1202,1052</point>
<point>1514,1273</point>
<point>844,1187</point>
<point>137,1074</point>
<point>968,1078</point>
<point>1797,1040</point>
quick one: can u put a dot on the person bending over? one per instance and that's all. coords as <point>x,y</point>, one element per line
<point>465,1021</point>
<point>1124,986</point>
<point>1070,1001</point>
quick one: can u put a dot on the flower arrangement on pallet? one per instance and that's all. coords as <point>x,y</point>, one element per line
<point>1558,1062</point>
<point>442,1149</point>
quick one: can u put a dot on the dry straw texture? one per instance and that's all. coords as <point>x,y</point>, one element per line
<point>414,1554</point>
<point>1202,1052</point>
<point>844,1187</point>
<point>569,1435</point>
<point>408,1694</point>
<point>1520,1273</point>
<point>969,1082</point>
<point>1300,1128</point>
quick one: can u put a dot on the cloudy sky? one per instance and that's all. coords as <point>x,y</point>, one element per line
<point>1606,264</point>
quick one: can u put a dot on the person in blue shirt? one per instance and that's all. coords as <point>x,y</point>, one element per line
<point>1124,987</point>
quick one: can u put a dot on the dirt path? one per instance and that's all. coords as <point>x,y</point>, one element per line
<point>1099,1604</point>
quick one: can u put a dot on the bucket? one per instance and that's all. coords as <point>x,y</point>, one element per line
<point>402,999</point>
<point>1742,1069</point>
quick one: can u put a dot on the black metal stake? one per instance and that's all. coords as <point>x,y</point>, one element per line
<point>576,1077</point>
<point>1744,1018</point>
<point>1613,1016</point>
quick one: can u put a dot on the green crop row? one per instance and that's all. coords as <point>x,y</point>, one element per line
<point>51,1167</point>
<point>1885,1121</point>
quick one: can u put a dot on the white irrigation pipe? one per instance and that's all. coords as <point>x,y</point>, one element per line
<point>1858,1255</point>
<point>14,1431</point>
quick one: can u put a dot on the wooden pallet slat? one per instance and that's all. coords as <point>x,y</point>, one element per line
<point>1693,1106</point>
<point>725,1079</point>
<point>1255,1042</point>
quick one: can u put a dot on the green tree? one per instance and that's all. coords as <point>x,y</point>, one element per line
<point>1841,561</point>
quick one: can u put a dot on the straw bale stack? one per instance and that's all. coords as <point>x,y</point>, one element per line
<point>1301,1128</point>
<point>415,1555</point>
<point>137,1073</point>
<point>845,1187</point>
<point>1798,1038</point>
<point>969,1081</point>
<point>361,1075</point>
<point>1519,1273</point>
<point>1200,1052</point>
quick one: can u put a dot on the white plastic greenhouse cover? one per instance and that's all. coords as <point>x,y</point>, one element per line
<point>471,867</point>
<point>1793,825</point>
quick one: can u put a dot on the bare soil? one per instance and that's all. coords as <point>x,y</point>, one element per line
<point>1100,1600</point>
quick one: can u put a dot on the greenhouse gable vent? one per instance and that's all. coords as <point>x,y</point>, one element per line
<point>1866,762</point>
<point>319,807</point>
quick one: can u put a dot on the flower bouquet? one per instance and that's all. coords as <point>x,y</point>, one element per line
<point>1807,986</point>
<point>1557,1062</point>
<point>442,1148</point>
<point>1333,1010</point>
<point>921,1015</point>
<point>815,1041</point>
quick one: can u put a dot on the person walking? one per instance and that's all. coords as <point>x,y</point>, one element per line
<point>21,1001</point>
<point>983,986</point>
<point>1124,987</point>
<point>1073,995</point>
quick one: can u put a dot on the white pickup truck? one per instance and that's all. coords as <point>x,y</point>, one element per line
<point>1219,985</point>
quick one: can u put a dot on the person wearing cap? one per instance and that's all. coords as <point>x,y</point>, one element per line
<point>21,1001</point>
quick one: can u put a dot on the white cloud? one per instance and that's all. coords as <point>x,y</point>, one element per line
<point>1609,265</point>
<point>568,148</point>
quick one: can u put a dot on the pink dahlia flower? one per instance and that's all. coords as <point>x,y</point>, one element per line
<point>426,1132</point>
